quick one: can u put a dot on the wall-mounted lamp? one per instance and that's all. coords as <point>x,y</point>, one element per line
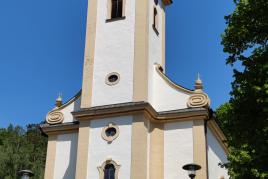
<point>25,174</point>
<point>191,168</point>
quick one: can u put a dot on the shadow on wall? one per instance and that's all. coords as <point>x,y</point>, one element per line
<point>77,104</point>
<point>70,170</point>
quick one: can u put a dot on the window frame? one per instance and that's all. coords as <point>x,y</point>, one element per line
<point>101,168</point>
<point>109,11</point>
<point>110,138</point>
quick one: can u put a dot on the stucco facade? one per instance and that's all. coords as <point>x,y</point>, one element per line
<point>129,114</point>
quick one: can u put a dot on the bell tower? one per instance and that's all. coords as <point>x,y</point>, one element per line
<point>124,39</point>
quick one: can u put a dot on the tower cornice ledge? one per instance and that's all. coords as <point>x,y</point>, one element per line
<point>100,112</point>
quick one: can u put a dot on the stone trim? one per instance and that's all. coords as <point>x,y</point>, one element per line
<point>156,151</point>
<point>102,168</point>
<point>171,83</point>
<point>73,99</point>
<point>217,132</point>
<point>141,51</point>
<point>89,56</point>
<point>110,138</point>
<point>51,156</point>
<point>141,107</point>
<point>200,148</point>
<point>197,100</point>
<point>82,150</point>
<point>60,128</point>
<point>55,116</point>
<point>112,83</point>
<point>139,149</point>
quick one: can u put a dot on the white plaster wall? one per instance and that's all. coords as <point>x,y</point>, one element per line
<point>178,149</point>
<point>165,97</point>
<point>155,44</point>
<point>119,150</point>
<point>114,52</point>
<point>65,162</point>
<point>216,155</point>
<point>74,106</point>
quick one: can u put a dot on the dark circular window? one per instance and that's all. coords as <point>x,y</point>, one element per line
<point>113,78</point>
<point>110,132</point>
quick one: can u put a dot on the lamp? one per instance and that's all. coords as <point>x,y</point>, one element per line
<point>25,174</point>
<point>191,168</point>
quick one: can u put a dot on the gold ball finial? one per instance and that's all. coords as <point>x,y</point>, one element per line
<point>198,83</point>
<point>59,100</point>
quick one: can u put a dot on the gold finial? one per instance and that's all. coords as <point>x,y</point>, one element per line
<point>198,83</point>
<point>59,100</point>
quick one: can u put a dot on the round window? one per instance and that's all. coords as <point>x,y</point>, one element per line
<point>110,132</point>
<point>112,78</point>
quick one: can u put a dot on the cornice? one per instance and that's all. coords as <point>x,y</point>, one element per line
<point>100,112</point>
<point>141,107</point>
<point>71,127</point>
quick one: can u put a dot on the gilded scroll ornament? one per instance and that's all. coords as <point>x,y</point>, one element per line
<point>54,117</point>
<point>198,100</point>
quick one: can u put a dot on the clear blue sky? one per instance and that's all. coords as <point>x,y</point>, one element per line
<point>42,44</point>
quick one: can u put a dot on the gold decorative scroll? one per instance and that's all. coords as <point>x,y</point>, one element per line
<point>54,117</point>
<point>198,100</point>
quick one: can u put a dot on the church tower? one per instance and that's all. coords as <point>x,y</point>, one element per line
<point>130,121</point>
<point>124,39</point>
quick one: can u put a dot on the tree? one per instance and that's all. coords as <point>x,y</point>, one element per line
<point>20,149</point>
<point>245,40</point>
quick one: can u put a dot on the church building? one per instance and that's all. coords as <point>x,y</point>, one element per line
<point>130,121</point>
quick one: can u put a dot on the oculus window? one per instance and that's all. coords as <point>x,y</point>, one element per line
<point>110,132</point>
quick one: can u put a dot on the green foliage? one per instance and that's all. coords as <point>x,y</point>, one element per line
<point>223,114</point>
<point>20,149</point>
<point>245,118</point>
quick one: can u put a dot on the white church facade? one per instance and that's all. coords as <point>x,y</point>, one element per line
<point>130,121</point>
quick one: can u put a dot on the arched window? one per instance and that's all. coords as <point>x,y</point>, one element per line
<point>117,8</point>
<point>109,170</point>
